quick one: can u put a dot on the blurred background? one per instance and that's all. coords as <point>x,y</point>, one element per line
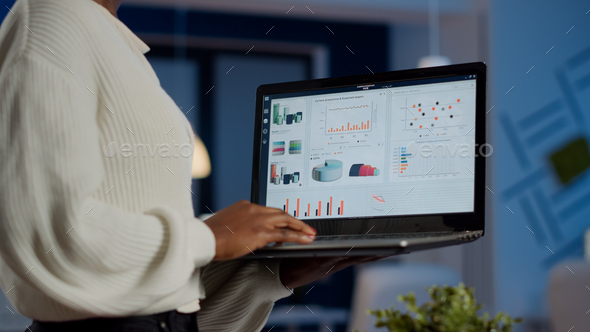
<point>211,56</point>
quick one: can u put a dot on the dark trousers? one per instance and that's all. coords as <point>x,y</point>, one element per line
<point>170,321</point>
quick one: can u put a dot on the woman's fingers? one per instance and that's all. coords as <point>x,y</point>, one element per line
<point>279,219</point>
<point>254,226</point>
<point>288,235</point>
<point>284,220</point>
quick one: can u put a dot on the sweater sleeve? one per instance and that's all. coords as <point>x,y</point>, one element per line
<point>93,257</point>
<point>243,292</point>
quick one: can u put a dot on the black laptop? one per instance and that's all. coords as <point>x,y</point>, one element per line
<point>378,164</point>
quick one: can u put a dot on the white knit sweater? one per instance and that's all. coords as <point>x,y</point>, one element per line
<point>96,214</point>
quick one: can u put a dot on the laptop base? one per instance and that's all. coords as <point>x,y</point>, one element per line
<point>365,247</point>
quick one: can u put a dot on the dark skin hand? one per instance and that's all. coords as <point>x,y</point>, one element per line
<point>244,227</point>
<point>297,272</point>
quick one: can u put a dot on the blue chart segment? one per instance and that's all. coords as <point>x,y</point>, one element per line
<point>331,170</point>
<point>444,157</point>
<point>400,159</point>
<point>278,148</point>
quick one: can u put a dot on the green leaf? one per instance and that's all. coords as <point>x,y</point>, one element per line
<point>451,309</point>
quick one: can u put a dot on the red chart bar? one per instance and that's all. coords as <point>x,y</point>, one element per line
<point>287,208</point>
<point>319,208</point>
<point>298,208</point>
<point>341,208</point>
<point>308,206</point>
<point>330,205</point>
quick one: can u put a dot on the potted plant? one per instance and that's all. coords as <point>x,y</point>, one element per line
<point>452,309</point>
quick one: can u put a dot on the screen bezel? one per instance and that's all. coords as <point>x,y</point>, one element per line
<point>382,224</point>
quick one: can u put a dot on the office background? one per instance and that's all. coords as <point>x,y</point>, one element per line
<point>211,56</point>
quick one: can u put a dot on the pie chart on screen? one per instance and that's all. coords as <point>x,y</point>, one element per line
<point>330,170</point>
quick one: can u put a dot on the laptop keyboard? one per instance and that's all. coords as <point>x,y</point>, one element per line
<point>379,236</point>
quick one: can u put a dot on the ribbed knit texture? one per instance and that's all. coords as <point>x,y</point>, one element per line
<point>240,295</point>
<point>87,232</point>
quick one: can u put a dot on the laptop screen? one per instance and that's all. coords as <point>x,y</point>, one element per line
<point>388,149</point>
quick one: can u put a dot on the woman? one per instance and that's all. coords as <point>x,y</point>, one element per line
<point>96,223</point>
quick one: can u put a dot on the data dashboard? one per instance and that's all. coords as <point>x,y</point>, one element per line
<point>372,151</point>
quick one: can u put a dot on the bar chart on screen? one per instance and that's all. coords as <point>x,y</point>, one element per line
<point>349,119</point>
<point>432,159</point>
<point>322,208</point>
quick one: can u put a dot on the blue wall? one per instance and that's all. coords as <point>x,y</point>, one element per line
<point>3,9</point>
<point>545,109</point>
<point>368,41</point>
<point>235,99</point>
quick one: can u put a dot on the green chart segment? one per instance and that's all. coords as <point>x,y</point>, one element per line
<point>295,147</point>
<point>283,115</point>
